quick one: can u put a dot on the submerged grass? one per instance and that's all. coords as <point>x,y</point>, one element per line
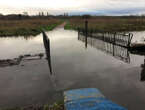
<point>109,24</point>
<point>55,106</point>
<point>26,27</point>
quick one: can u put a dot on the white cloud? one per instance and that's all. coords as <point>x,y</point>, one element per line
<point>59,6</point>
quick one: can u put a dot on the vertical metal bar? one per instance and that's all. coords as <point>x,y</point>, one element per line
<point>128,45</point>
<point>114,41</point>
<point>86,29</point>
<point>91,36</point>
<point>103,37</point>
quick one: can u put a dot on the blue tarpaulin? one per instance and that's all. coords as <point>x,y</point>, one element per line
<point>88,99</point>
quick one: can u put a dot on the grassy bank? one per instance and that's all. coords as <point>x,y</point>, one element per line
<point>68,26</point>
<point>109,24</point>
<point>55,106</point>
<point>26,27</point>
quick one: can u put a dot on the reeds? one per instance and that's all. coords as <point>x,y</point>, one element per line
<point>26,27</point>
<point>109,24</point>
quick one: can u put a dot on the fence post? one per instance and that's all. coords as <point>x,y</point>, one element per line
<point>129,40</point>
<point>78,33</point>
<point>46,41</point>
<point>86,29</point>
<point>91,35</point>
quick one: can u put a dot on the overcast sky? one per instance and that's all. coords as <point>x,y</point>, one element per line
<point>97,7</point>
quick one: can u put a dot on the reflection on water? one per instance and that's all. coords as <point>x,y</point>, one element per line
<point>12,47</point>
<point>116,51</point>
<point>139,37</point>
<point>143,71</point>
<point>140,53</point>
<point>17,61</point>
<point>74,67</point>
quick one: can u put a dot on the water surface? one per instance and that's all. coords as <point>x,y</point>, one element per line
<point>117,76</point>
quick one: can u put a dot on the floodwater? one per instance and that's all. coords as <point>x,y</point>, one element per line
<point>117,73</point>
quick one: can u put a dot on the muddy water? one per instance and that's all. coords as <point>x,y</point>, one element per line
<point>118,76</point>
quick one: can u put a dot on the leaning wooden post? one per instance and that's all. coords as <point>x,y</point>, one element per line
<point>86,29</point>
<point>46,41</point>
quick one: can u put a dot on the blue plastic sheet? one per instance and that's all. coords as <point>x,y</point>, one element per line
<point>88,99</point>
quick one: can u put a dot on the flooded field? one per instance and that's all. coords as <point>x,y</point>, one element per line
<point>114,70</point>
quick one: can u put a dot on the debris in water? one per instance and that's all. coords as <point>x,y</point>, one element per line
<point>17,61</point>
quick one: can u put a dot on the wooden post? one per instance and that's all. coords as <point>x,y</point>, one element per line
<point>128,41</point>
<point>78,33</point>
<point>86,29</point>
<point>47,49</point>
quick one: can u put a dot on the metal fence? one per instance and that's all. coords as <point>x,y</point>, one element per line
<point>120,39</point>
<point>116,51</point>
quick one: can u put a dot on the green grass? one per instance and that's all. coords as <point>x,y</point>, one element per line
<point>68,26</point>
<point>26,27</point>
<point>48,28</point>
<point>56,106</point>
<point>109,24</point>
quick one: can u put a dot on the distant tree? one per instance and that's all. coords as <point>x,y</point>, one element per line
<point>25,13</point>
<point>19,16</point>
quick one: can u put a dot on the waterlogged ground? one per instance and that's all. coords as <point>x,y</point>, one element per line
<point>74,66</point>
